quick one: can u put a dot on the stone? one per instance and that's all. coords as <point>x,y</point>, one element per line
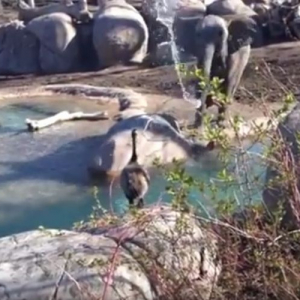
<point>184,27</point>
<point>132,258</point>
<point>157,21</point>
<point>18,49</point>
<point>163,55</point>
<point>120,34</point>
<point>59,46</point>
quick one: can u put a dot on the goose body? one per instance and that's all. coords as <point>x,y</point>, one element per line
<point>134,179</point>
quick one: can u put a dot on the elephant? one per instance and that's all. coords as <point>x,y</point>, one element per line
<point>158,29</point>
<point>120,34</point>
<point>223,50</point>
<point>159,138</point>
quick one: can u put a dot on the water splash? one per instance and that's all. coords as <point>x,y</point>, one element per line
<point>166,10</point>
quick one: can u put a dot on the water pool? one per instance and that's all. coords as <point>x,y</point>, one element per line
<point>43,177</point>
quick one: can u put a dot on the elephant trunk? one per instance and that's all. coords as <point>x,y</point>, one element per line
<point>224,51</point>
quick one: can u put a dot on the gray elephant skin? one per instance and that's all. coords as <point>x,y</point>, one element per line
<point>120,34</point>
<point>223,46</point>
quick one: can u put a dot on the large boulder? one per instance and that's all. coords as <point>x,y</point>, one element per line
<point>166,53</point>
<point>157,139</point>
<point>133,259</point>
<point>161,15</point>
<point>59,46</point>
<point>158,9</point>
<point>77,11</point>
<point>120,34</point>
<point>18,49</point>
<point>228,7</point>
<point>184,27</point>
<point>280,188</point>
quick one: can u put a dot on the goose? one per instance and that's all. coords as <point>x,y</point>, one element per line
<point>134,178</point>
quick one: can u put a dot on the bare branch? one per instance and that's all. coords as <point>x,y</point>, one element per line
<point>63,116</point>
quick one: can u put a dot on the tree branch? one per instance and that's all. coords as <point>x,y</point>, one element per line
<point>34,125</point>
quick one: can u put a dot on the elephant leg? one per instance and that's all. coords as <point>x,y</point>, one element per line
<point>237,63</point>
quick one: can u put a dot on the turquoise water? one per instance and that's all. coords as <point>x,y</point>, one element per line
<point>43,177</point>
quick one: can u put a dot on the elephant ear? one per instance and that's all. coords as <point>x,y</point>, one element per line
<point>242,30</point>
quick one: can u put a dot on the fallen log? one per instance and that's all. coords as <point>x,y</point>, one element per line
<point>34,125</point>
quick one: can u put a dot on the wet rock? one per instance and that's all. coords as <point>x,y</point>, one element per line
<point>158,31</point>
<point>18,49</point>
<point>121,261</point>
<point>159,17</point>
<point>185,29</point>
<point>158,9</point>
<point>163,55</point>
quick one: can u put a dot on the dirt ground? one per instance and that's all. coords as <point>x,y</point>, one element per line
<point>272,72</point>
